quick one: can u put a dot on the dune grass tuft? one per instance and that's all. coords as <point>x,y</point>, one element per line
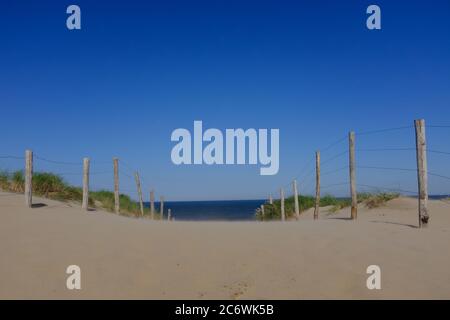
<point>105,200</point>
<point>273,212</point>
<point>4,180</point>
<point>370,200</point>
<point>375,200</point>
<point>53,186</point>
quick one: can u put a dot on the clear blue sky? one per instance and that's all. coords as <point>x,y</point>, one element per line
<point>139,69</point>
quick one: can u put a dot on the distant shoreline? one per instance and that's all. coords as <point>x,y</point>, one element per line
<point>434,197</point>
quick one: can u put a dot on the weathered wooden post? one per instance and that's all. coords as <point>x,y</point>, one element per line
<point>139,190</point>
<point>317,203</point>
<point>351,143</point>
<point>422,171</point>
<point>152,204</point>
<point>262,212</point>
<point>116,186</point>
<point>85,202</point>
<point>283,216</point>
<point>28,178</point>
<point>270,199</point>
<point>161,207</point>
<point>297,209</point>
<point>169,214</point>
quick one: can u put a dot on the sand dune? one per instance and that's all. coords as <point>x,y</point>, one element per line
<point>138,258</point>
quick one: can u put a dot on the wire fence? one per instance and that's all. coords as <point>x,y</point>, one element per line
<point>374,154</point>
<point>378,150</point>
<point>101,173</point>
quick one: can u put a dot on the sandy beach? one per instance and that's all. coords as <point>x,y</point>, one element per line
<point>125,258</point>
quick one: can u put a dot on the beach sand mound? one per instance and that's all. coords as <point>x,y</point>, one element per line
<point>124,258</point>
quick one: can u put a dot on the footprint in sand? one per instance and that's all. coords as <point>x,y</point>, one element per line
<point>238,290</point>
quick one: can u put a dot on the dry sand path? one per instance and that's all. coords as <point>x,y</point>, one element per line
<point>137,258</point>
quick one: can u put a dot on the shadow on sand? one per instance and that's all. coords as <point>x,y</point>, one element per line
<point>341,218</point>
<point>38,205</point>
<point>375,221</point>
<point>396,223</point>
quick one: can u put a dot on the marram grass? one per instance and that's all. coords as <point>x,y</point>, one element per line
<point>370,200</point>
<point>53,186</point>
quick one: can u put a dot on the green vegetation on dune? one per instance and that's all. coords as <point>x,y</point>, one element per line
<point>370,200</point>
<point>4,180</point>
<point>52,186</point>
<point>375,200</point>
<point>105,200</point>
<point>273,211</point>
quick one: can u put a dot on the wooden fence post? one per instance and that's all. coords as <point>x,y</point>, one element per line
<point>161,207</point>
<point>85,202</point>
<point>139,190</point>
<point>262,212</point>
<point>297,209</point>
<point>317,203</point>
<point>422,173</point>
<point>270,199</point>
<point>351,143</point>
<point>283,216</point>
<point>116,186</point>
<point>152,204</point>
<point>169,214</point>
<point>28,178</point>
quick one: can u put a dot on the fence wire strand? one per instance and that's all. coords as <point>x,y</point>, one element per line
<point>306,174</point>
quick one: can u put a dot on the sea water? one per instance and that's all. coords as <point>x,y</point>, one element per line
<point>211,210</point>
<point>226,210</point>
